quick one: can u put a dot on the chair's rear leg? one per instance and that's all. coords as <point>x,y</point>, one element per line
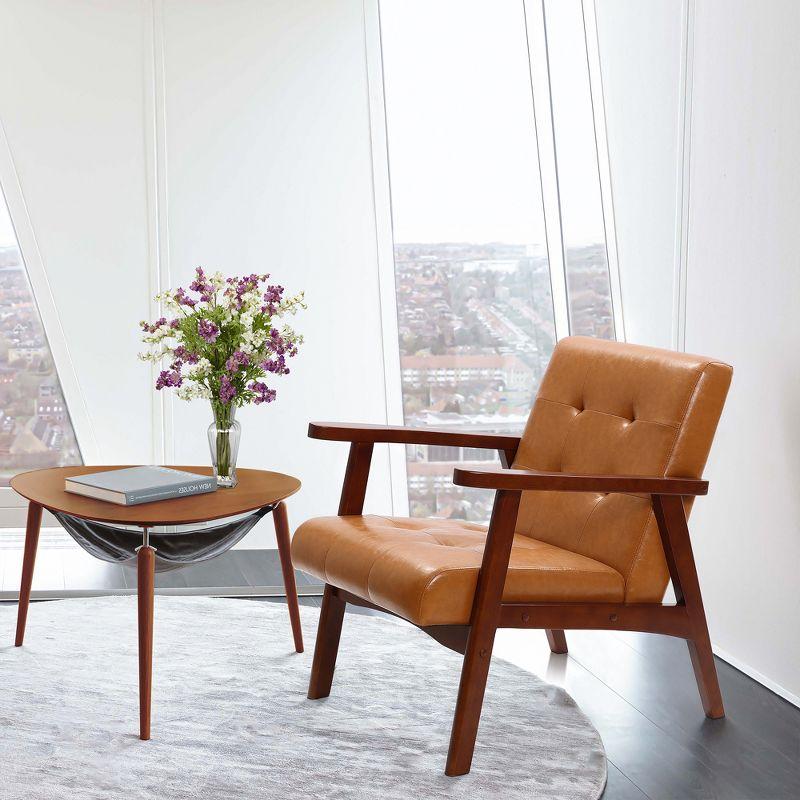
<point>557,641</point>
<point>327,646</point>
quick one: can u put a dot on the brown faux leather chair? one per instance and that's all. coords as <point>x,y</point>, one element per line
<point>588,524</point>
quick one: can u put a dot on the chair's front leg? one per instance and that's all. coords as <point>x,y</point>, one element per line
<point>483,625</point>
<point>326,649</point>
<point>671,518</point>
<point>327,646</point>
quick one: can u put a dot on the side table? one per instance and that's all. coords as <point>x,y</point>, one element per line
<point>256,490</point>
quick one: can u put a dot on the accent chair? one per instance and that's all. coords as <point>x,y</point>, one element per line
<point>587,528</point>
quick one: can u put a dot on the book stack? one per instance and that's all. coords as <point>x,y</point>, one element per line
<point>134,485</point>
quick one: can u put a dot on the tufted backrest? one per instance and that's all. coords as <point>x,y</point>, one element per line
<point>614,408</point>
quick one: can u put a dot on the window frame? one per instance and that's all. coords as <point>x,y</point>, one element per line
<point>544,140</point>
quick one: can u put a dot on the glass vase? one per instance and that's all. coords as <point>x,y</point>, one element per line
<point>223,440</point>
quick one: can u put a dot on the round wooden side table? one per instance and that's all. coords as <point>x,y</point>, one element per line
<point>257,489</point>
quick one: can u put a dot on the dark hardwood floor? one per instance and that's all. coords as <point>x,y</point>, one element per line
<point>637,689</point>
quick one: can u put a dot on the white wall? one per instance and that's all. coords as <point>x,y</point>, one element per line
<point>240,132</point>
<point>742,305</point>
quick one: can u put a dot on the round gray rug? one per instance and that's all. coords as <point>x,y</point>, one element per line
<point>231,720</point>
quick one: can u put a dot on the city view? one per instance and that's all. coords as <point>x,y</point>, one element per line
<point>476,332</point>
<point>35,429</point>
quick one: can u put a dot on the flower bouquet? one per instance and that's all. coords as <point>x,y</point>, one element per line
<point>220,345</point>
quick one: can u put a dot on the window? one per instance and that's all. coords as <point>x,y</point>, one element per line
<point>485,281</point>
<point>35,428</point>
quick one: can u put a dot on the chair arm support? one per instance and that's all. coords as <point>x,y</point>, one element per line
<point>523,480</point>
<point>399,434</point>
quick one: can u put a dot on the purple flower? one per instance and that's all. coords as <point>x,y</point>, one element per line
<point>183,299</point>
<point>169,378</point>
<point>263,394</point>
<point>275,365</point>
<point>238,359</point>
<point>272,297</point>
<point>180,352</point>
<point>152,328</point>
<point>208,330</point>
<point>201,285</point>
<point>227,391</point>
<point>280,347</point>
<point>174,324</point>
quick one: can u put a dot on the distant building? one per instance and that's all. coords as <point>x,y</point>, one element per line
<point>50,405</point>
<point>29,355</point>
<point>509,370</point>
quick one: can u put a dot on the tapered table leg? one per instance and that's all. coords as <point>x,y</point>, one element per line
<point>146,568</point>
<point>281,521</point>
<point>28,560</point>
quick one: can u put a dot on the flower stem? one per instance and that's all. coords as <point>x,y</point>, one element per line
<point>223,453</point>
<point>223,419</point>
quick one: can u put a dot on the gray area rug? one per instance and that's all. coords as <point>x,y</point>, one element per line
<point>231,720</point>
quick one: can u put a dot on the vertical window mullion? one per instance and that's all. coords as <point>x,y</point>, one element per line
<point>603,160</point>
<point>548,161</point>
<point>576,115</point>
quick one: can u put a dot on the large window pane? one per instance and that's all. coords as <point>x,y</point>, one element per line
<point>475,309</point>
<point>583,228</point>
<point>35,429</point>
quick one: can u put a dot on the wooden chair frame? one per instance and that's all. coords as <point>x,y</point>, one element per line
<point>685,619</point>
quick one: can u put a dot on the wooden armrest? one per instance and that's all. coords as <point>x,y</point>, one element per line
<point>398,434</point>
<point>522,480</point>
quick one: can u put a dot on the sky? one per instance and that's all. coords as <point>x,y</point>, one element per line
<point>462,148</point>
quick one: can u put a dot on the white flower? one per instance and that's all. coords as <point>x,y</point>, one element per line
<point>291,305</point>
<point>252,301</point>
<point>167,299</point>
<point>156,354</point>
<point>193,391</point>
<point>246,321</point>
<point>199,370</point>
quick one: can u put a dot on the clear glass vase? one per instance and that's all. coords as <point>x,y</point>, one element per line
<point>223,440</point>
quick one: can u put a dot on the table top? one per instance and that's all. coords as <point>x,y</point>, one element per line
<point>256,488</point>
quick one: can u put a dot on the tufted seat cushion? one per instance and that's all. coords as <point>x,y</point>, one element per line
<point>426,570</point>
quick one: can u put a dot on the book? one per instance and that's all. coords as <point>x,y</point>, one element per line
<point>134,485</point>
